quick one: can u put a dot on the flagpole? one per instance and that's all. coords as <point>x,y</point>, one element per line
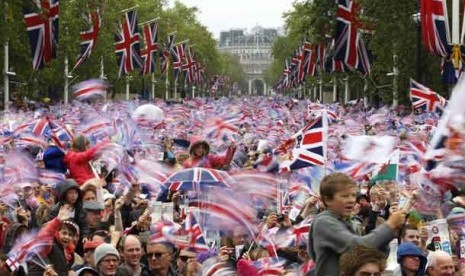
<point>334,89</point>
<point>129,9</point>
<point>365,92</point>
<point>6,80</point>
<point>66,88</point>
<point>153,86</point>
<point>346,90</point>
<point>102,69</point>
<point>456,33</point>
<point>395,100</point>
<point>167,82</point>
<point>320,96</point>
<point>127,88</point>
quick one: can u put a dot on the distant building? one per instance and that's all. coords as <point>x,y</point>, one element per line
<point>254,52</point>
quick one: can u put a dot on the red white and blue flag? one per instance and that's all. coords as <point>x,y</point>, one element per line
<point>165,55</point>
<point>178,54</point>
<point>434,26</point>
<point>350,47</point>
<point>42,29</point>
<point>308,146</point>
<point>149,53</point>
<point>90,89</point>
<point>426,99</point>
<point>89,37</point>
<point>190,67</point>
<point>195,235</point>
<point>127,46</point>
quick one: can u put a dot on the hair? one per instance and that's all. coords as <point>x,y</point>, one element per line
<point>360,255</point>
<point>407,227</point>
<point>169,246</point>
<point>258,253</point>
<point>79,143</point>
<point>333,183</point>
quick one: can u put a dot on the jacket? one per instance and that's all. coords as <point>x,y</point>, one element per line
<point>209,161</point>
<point>78,164</point>
<point>409,249</point>
<point>330,236</point>
<point>61,258</point>
<point>61,190</point>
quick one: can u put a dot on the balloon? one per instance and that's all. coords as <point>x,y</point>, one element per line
<point>148,113</point>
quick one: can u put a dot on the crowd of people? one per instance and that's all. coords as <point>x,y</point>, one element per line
<point>199,193</point>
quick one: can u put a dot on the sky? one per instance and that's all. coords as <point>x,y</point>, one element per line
<point>223,15</point>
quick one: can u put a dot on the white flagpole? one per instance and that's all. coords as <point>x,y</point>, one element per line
<point>66,88</point>
<point>395,94</point>
<point>127,89</point>
<point>334,89</point>
<point>455,22</point>
<point>153,86</point>
<point>6,80</point>
<point>346,90</point>
<point>102,69</point>
<point>167,82</point>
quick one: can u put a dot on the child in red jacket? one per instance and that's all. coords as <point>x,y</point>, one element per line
<point>78,158</point>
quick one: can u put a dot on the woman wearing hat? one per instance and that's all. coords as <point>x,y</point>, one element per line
<point>199,155</point>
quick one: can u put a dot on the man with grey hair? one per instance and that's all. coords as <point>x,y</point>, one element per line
<point>440,264</point>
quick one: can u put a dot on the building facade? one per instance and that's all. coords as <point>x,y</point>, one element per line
<point>254,52</point>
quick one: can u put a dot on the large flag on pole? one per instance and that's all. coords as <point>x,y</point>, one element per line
<point>149,53</point>
<point>42,29</point>
<point>308,146</point>
<point>127,46</point>
<point>89,37</point>
<point>434,26</point>
<point>165,55</point>
<point>350,47</point>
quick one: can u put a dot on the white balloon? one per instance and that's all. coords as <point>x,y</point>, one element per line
<point>148,112</point>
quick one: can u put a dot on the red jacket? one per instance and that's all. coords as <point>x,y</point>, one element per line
<point>49,232</point>
<point>210,161</point>
<point>78,164</point>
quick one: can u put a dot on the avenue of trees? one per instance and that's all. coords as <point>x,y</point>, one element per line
<point>48,82</point>
<point>397,33</point>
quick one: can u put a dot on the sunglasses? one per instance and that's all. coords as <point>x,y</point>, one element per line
<point>157,255</point>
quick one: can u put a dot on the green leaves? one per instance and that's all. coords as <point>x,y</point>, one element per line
<point>50,81</point>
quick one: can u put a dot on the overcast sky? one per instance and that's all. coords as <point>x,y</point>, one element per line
<point>222,15</point>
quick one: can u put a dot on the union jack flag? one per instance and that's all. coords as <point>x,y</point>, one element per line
<point>127,46</point>
<point>41,127</point>
<point>190,67</point>
<point>309,146</point>
<point>60,135</point>
<point>178,54</point>
<point>452,66</point>
<point>221,129</point>
<point>434,26</point>
<point>151,47</point>
<point>42,30</point>
<point>89,37</point>
<point>89,89</point>
<point>165,55</point>
<point>426,99</point>
<point>349,42</point>
<point>195,234</point>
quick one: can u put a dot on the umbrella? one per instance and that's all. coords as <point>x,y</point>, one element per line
<point>197,179</point>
